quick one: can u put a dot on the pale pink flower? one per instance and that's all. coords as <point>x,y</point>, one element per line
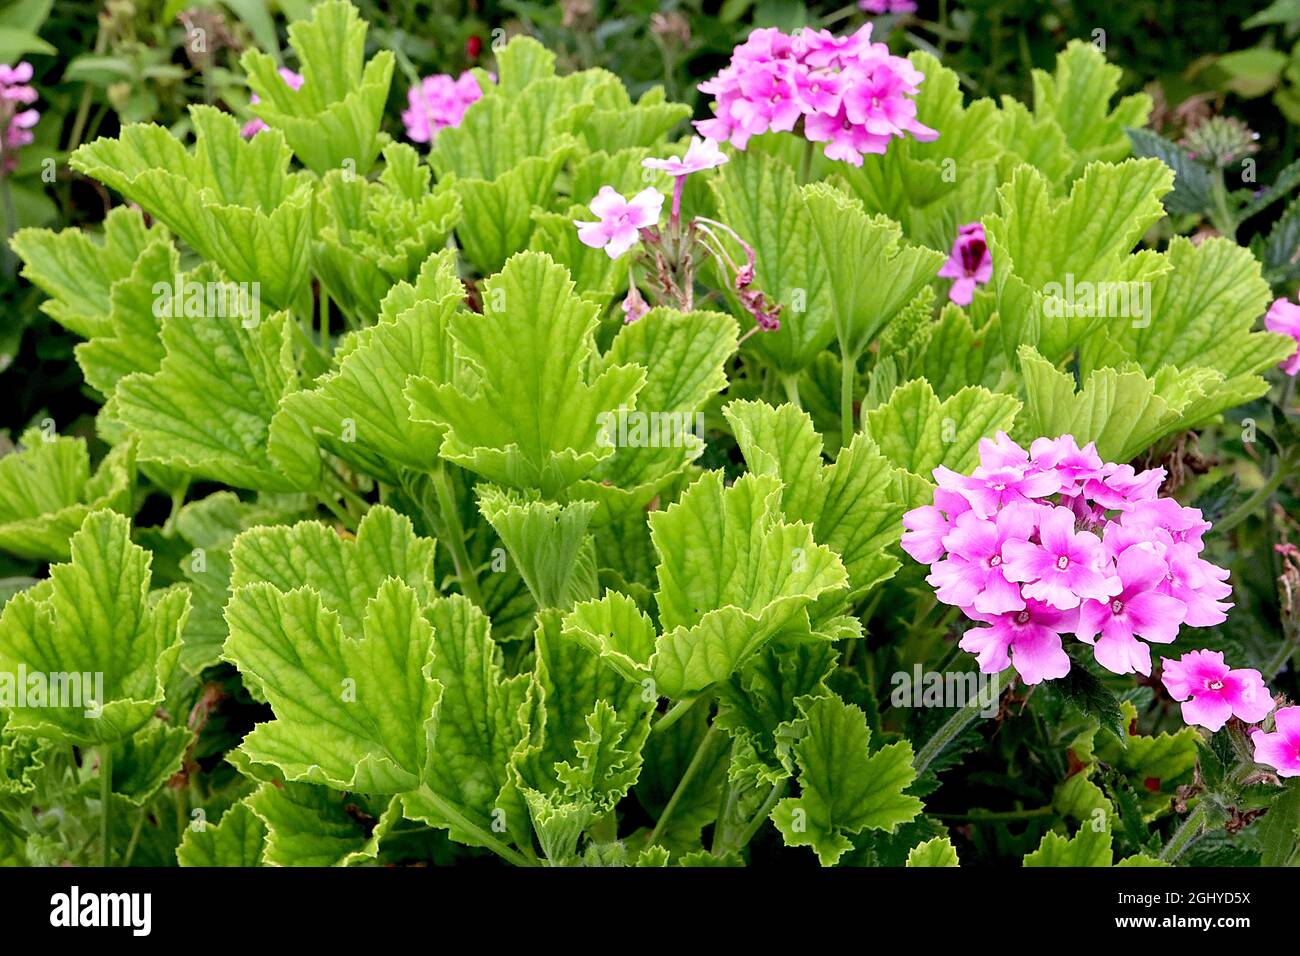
<point>972,574</point>
<point>1137,610</point>
<point>701,154</point>
<point>1284,318</point>
<point>970,263</point>
<point>15,124</point>
<point>879,7</point>
<point>1185,525</point>
<point>1211,692</point>
<point>1028,639</point>
<point>634,306</point>
<point>1065,567</point>
<point>927,525</point>
<point>1281,749</point>
<point>1072,464</point>
<point>1001,451</point>
<point>619,221</point>
<point>988,489</point>
<point>438,102</point>
<point>255,125</point>
<point>1119,487</point>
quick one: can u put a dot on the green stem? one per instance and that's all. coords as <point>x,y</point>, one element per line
<point>791,385</point>
<point>345,519</point>
<point>106,804</point>
<point>178,499</point>
<point>135,836</point>
<point>453,816</point>
<point>1221,216</point>
<point>1247,507</point>
<point>1185,835</point>
<point>848,378</point>
<point>675,713</point>
<point>953,726</point>
<point>692,769</point>
<point>759,818</point>
<point>11,224</point>
<point>465,572</point>
<point>805,164</point>
<point>996,816</point>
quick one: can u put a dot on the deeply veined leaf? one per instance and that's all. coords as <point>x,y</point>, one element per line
<point>233,200</point>
<point>1088,847</point>
<point>844,787</point>
<point>47,490</point>
<point>938,851</point>
<point>549,543</point>
<point>213,407</point>
<point>532,421</point>
<point>308,825</point>
<point>105,646</point>
<point>237,839</point>
<point>333,120</point>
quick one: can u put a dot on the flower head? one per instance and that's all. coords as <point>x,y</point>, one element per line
<point>1211,692</point>
<point>618,220</point>
<point>700,155</point>
<point>1028,639</point>
<point>1281,749</point>
<point>1137,610</point>
<point>438,102</point>
<point>15,123</point>
<point>1284,318</point>
<point>255,125</point>
<point>970,263</point>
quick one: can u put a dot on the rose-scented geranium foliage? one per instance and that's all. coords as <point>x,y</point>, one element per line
<point>571,485</point>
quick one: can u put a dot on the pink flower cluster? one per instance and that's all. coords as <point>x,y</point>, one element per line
<point>848,92</point>
<point>15,123</point>
<point>1284,318</point>
<point>438,102</point>
<point>887,6</point>
<point>254,126</point>
<point>1053,541</point>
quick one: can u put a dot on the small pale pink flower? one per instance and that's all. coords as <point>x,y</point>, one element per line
<point>971,574</point>
<point>1072,464</point>
<point>879,7</point>
<point>438,102</point>
<point>619,221</point>
<point>1138,610</point>
<point>970,263</point>
<point>927,525</point>
<point>1001,451</point>
<point>1065,568</point>
<point>255,125</point>
<point>700,155</point>
<point>1199,584</point>
<point>1281,749</point>
<point>634,306</point>
<point>1029,639</point>
<point>1211,692</point>
<point>1284,318</point>
<point>1119,487</point>
<point>988,489</point>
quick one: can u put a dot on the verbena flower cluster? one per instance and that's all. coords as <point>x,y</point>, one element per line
<point>438,102</point>
<point>851,94</point>
<point>1052,542</point>
<point>16,123</point>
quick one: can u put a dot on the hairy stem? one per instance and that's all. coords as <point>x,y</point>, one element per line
<point>952,727</point>
<point>848,378</point>
<point>106,804</point>
<point>465,572</point>
<point>453,816</point>
<point>692,769</point>
<point>1185,835</point>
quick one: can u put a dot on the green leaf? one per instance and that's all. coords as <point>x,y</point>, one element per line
<point>918,433</point>
<point>312,826</point>
<point>354,712</point>
<point>46,491</point>
<point>549,543</point>
<point>213,407</point>
<point>94,621</point>
<point>147,759</point>
<point>936,852</point>
<point>844,787</point>
<point>1280,832</point>
<point>533,421</point>
<point>237,839</point>
<point>334,118</point>
<point>1192,192</point>
<point>723,596</point>
<point>233,200</point>
<point>1088,847</point>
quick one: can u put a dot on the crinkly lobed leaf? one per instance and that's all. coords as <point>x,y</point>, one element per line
<point>352,711</point>
<point>532,420</point>
<point>77,271</point>
<point>1088,847</point>
<point>938,851</point>
<point>105,646</point>
<point>548,542</point>
<point>497,219</point>
<point>723,597</point>
<point>617,631</point>
<point>145,761</point>
<point>358,410</point>
<point>47,490</point>
<point>308,825</point>
<point>481,720</point>
<point>333,120</point>
<point>233,200</point>
<point>213,407</point>
<point>1045,248</point>
<point>237,839</point>
<point>918,433</point>
<point>844,787</point>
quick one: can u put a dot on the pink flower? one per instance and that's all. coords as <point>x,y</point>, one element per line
<point>970,263</point>
<point>1281,749</point>
<point>1072,464</point>
<point>1065,567</point>
<point>438,102</point>
<point>1029,639</point>
<point>700,155</point>
<point>972,573</point>
<point>1211,693</point>
<point>1002,452</point>
<point>1119,487</point>
<point>1284,318</point>
<point>1199,584</point>
<point>1185,525</point>
<point>988,489</point>
<point>15,124</point>
<point>255,125</point>
<point>927,525</point>
<point>619,220</point>
<point>1137,610</point>
<point>887,6</point>
<point>634,306</point>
